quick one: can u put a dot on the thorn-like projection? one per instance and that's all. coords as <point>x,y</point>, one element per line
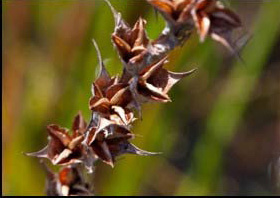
<point>115,13</point>
<point>103,74</point>
<point>120,24</point>
<point>43,153</point>
<point>135,150</point>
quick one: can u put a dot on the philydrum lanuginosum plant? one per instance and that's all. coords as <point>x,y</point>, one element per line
<point>115,100</point>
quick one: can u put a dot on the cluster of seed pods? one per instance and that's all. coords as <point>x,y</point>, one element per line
<point>116,101</point>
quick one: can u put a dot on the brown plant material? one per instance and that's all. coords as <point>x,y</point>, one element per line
<point>155,82</point>
<point>132,43</point>
<point>210,17</point>
<point>110,98</point>
<point>64,148</point>
<point>174,11</point>
<point>69,181</point>
<point>112,103</point>
<point>111,140</point>
<point>115,100</point>
<point>108,137</point>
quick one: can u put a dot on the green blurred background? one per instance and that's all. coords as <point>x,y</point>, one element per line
<point>219,136</point>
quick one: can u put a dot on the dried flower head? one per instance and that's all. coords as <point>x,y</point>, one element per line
<point>109,140</point>
<point>110,98</point>
<point>174,11</point>
<point>132,43</point>
<point>154,82</point>
<point>210,17</point>
<point>64,148</point>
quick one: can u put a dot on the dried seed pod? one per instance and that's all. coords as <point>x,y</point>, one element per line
<point>107,127</point>
<point>115,95</point>
<point>108,146</point>
<point>154,82</point>
<point>210,17</point>
<point>69,181</point>
<point>113,104</point>
<point>97,138</point>
<point>64,148</point>
<point>110,139</point>
<point>131,43</point>
<point>175,12</point>
<point>105,146</point>
<point>110,98</point>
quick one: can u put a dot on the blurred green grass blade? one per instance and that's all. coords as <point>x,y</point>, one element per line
<point>228,110</point>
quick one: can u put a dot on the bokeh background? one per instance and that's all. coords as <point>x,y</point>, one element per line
<point>219,136</point>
